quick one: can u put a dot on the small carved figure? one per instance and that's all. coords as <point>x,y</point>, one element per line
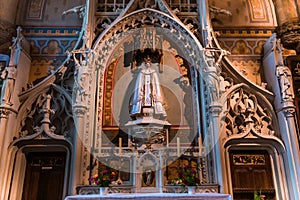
<point>15,48</point>
<point>148,177</point>
<point>209,37</point>
<point>215,82</point>
<point>284,75</point>
<point>8,75</point>
<point>80,78</point>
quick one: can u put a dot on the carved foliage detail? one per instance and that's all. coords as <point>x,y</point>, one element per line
<point>245,115</point>
<point>61,119</point>
<point>257,159</point>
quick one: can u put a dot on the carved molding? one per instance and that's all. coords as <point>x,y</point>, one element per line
<point>79,110</point>
<point>205,188</point>
<point>94,189</point>
<point>4,112</point>
<point>215,109</point>
<point>258,159</point>
<point>289,111</point>
<point>107,113</point>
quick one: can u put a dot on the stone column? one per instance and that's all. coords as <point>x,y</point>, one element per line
<point>286,118</point>
<point>81,152</point>
<point>9,102</point>
<point>279,81</point>
<point>215,110</point>
<point>4,112</point>
<point>79,113</point>
<point>288,23</point>
<point>293,153</point>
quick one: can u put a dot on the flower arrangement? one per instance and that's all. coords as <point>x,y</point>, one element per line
<point>188,176</point>
<point>103,179</point>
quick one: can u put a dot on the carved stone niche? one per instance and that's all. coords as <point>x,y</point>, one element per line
<point>148,173</point>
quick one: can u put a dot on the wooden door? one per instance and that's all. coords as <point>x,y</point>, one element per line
<point>44,178</point>
<point>251,171</point>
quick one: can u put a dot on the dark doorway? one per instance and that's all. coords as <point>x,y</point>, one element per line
<point>44,178</point>
<point>251,172</point>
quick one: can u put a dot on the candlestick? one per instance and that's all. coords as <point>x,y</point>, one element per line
<point>178,146</point>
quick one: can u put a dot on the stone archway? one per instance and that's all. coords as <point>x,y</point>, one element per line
<point>134,24</point>
<point>249,132</point>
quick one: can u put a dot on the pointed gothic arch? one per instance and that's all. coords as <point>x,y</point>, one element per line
<point>249,124</point>
<point>166,24</point>
<point>37,127</point>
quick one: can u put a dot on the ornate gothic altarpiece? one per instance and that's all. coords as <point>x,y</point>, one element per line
<point>154,93</point>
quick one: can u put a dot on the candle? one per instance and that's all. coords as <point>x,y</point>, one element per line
<point>200,145</point>
<point>178,146</point>
<point>120,145</point>
<point>100,144</point>
<point>167,135</point>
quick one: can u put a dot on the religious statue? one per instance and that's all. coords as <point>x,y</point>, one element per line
<point>284,77</point>
<point>148,93</point>
<point>215,82</point>
<point>148,177</point>
<point>80,78</point>
<point>15,48</point>
<point>8,75</point>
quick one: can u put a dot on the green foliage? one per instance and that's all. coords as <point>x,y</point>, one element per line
<point>258,196</point>
<point>103,179</point>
